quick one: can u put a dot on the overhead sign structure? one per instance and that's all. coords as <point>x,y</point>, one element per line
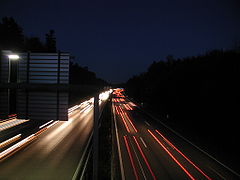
<point>36,68</point>
<point>42,106</point>
<point>34,85</point>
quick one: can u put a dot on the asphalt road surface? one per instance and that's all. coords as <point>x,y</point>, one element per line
<point>149,150</point>
<point>54,151</point>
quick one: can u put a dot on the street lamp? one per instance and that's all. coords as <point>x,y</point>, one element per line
<point>12,67</point>
<point>12,78</point>
<point>13,57</point>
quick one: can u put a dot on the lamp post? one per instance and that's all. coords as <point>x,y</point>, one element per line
<point>12,78</point>
<point>12,57</point>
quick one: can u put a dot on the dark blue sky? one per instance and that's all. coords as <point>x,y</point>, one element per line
<point>117,39</point>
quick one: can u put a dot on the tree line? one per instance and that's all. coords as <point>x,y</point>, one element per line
<point>197,96</point>
<point>81,75</point>
<point>13,38</point>
<point>174,85</point>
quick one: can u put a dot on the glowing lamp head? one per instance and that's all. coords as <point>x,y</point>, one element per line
<point>13,57</point>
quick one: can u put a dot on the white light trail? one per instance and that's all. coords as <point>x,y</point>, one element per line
<point>45,124</point>
<point>15,146</point>
<point>10,140</point>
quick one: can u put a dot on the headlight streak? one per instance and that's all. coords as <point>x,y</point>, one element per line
<point>23,142</point>
<point>58,134</point>
<point>102,96</point>
<point>70,110</point>
<point>55,122</point>
<point>10,117</point>
<point>10,140</point>
<point>105,95</point>
<point>165,139</point>
<point>11,123</point>
<point>14,148</point>
<point>86,108</point>
<point>45,124</point>
<point>170,154</point>
<point>87,102</point>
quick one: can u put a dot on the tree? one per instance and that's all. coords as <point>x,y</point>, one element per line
<point>51,41</point>
<point>81,75</point>
<point>11,35</point>
<point>34,44</point>
<point>12,38</point>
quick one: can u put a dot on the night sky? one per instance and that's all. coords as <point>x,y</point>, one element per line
<point>117,39</point>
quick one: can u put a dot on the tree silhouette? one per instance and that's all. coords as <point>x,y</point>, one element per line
<point>51,41</point>
<point>34,44</point>
<point>199,94</point>
<point>12,38</point>
<point>81,75</point>
<point>11,35</point>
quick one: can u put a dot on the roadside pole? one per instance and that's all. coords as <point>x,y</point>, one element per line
<point>95,137</point>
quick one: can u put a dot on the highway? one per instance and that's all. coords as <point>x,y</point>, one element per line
<point>55,150</point>
<point>149,150</point>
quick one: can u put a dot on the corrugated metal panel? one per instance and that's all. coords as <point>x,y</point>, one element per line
<point>4,66</point>
<point>37,68</point>
<point>43,68</point>
<point>42,105</point>
<point>4,105</point>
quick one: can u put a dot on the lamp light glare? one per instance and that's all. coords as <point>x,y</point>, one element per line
<point>13,57</point>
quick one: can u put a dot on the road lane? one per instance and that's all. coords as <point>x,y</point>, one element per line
<point>56,149</point>
<point>159,152</point>
<point>54,154</point>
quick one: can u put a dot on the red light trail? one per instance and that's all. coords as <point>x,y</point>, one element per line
<point>131,158</point>
<point>183,155</point>
<point>178,163</point>
<point>144,158</point>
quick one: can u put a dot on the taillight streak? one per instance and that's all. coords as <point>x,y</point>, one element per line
<point>129,107</point>
<point>129,120</point>
<point>121,117</point>
<point>183,155</point>
<point>117,110</point>
<point>144,158</point>
<point>130,157</point>
<point>125,123</point>
<point>178,163</point>
<point>126,107</point>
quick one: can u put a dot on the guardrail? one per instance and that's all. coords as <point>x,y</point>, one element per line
<point>81,168</point>
<point>81,171</point>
